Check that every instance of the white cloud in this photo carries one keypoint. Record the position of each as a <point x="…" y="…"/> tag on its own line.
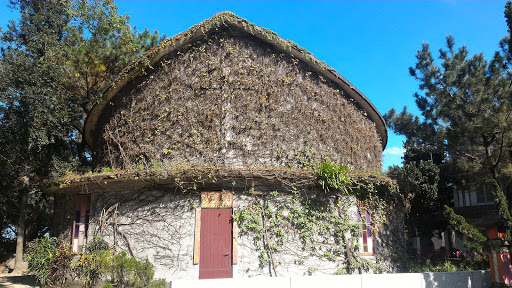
<point x="392" y="156"/>
<point x="394" y="151"/>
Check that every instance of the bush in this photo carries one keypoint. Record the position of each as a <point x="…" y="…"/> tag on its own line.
<point x="97" y="244"/>
<point x="128" y="272"/>
<point x="418" y="265"/>
<point x="49" y="259"/>
<point x="93" y="263"/>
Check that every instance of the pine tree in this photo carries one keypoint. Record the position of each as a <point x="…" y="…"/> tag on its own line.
<point x="466" y="115"/>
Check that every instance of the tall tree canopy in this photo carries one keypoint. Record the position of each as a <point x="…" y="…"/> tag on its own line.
<point x="55" y="61"/>
<point x="465" y="106"/>
<point x="465" y="127"/>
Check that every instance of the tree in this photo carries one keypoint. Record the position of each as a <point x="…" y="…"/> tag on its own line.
<point x="418" y="182"/>
<point x="466" y="120"/>
<point x="465" y="109"/>
<point x="54" y="63"/>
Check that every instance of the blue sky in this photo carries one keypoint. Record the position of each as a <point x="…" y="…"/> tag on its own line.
<point x="371" y="43"/>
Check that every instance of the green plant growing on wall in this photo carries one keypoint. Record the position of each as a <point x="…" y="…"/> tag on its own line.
<point x="321" y="221"/>
<point x="254" y="104"/>
<point x="320" y="228"/>
<point x="335" y="176"/>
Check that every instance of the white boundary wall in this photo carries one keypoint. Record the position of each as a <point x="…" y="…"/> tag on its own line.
<point x="462" y="279"/>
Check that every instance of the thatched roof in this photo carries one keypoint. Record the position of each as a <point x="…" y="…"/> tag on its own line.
<point x="235" y="23"/>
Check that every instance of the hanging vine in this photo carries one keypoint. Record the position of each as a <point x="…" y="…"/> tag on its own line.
<point x="231" y="100"/>
<point x="325" y="223"/>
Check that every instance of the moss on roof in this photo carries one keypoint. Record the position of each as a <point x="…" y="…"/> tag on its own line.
<point x="189" y="178"/>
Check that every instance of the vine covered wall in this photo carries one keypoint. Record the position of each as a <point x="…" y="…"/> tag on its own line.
<point x="282" y="230"/>
<point x="230" y="100"/>
<point x="313" y="232"/>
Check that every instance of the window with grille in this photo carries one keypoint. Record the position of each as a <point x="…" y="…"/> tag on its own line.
<point x="81" y="222"/>
<point x="484" y="194"/>
<point x="366" y="237"/>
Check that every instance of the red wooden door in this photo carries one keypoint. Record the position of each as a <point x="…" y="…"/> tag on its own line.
<point x="215" y="244"/>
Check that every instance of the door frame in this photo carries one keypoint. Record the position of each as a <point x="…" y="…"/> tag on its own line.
<point x="218" y="200"/>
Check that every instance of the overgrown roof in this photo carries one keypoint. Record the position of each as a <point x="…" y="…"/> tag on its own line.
<point x="190" y="179"/>
<point x="201" y="30"/>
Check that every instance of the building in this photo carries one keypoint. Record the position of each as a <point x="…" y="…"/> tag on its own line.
<point x="206" y="145"/>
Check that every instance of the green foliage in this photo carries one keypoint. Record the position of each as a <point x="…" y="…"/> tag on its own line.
<point x="57" y="58"/>
<point x="49" y="259"/>
<point x="459" y="224"/>
<point x="98" y="261"/>
<point x="97" y="244"/>
<point x="425" y="265"/>
<point x="127" y="272"/>
<point x="419" y="183"/>
<point x="476" y="262"/>
<point x="270" y="221"/>
<point x="334" y="175"/>
<point x="107" y="170"/>
<point x="465" y="103"/>
<point x="320" y="220"/>
<point x="420" y="179"/>
<point x="446" y="267"/>
<point x="501" y="202"/>
<point x="93" y="262"/>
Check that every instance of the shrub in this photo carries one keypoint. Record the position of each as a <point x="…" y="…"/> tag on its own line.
<point x="49" y="259"/>
<point x="97" y="244"/>
<point x="418" y="265"/>
<point x="128" y="272"/>
<point x="93" y="262"/>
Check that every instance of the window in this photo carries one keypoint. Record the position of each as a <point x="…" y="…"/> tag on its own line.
<point x="484" y="194"/>
<point x="365" y="239"/>
<point x="81" y="222"/>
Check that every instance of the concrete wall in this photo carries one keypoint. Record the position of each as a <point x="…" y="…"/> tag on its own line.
<point x="466" y="279"/>
<point x="157" y="221"/>
<point x="158" y="225"/>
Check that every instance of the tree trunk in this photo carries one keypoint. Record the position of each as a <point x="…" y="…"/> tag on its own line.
<point x="21" y="230"/>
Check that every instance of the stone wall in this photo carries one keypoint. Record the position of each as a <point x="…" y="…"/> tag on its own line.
<point x="153" y="224"/>
<point x="158" y="223"/>
<point x="294" y="258"/>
